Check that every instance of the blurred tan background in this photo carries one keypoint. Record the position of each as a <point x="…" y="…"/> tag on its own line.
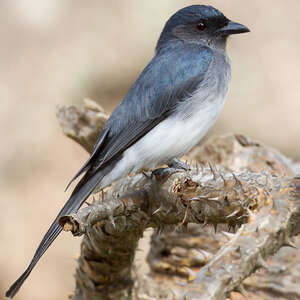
<point x="60" y="51"/>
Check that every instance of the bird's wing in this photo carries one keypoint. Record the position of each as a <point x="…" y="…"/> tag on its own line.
<point x="168" y="79"/>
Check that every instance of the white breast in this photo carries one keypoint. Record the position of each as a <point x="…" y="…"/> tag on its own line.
<point x="175" y="136"/>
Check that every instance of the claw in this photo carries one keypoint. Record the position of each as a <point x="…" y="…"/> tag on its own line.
<point x="178" y="164"/>
<point x="163" y="173"/>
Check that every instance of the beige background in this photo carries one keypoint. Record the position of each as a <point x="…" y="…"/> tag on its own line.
<point x="60" y="51"/>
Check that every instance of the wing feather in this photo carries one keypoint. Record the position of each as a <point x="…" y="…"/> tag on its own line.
<point x="168" y="79"/>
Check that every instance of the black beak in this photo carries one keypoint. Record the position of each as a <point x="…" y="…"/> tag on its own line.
<point x="232" y="28"/>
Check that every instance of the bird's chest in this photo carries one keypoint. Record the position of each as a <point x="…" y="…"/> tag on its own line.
<point x="198" y="113"/>
<point x="192" y="118"/>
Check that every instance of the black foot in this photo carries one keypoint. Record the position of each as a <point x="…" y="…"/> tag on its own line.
<point x="175" y="163"/>
<point x="163" y="173"/>
<point x="174" y="166"/>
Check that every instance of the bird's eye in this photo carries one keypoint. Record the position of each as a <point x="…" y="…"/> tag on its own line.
<point x="201" y="26"/>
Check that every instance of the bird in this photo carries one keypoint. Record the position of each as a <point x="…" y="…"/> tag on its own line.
<point x="173" y="103"/>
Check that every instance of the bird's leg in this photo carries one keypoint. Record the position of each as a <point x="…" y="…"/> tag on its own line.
<point x="174" y="166"/>
<point x="177" y="164"/>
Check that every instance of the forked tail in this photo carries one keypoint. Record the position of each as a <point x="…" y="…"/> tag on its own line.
<point x="81" y="192"/>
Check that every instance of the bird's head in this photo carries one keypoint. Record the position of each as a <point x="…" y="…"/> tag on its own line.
<point x="200" y="24"/>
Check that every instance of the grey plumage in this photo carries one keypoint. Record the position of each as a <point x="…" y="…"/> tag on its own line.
<point x="173" y="103"/>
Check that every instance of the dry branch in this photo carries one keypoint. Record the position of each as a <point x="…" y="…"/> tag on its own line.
<point x="113" y="226"/>
<point x="82" y="124"/>
<point x="271" y="228"/>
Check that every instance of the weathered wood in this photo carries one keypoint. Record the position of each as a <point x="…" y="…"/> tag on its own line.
<point x="246" y="185"/>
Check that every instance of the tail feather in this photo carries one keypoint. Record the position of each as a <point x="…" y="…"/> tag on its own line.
<point x="81" y="192"/>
